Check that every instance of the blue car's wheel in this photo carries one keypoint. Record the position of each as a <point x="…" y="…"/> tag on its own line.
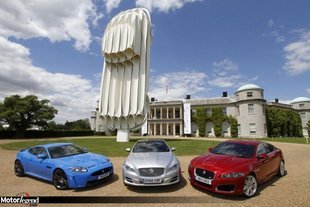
<point x="18" y="168"/>
<point x="60" y="180"/>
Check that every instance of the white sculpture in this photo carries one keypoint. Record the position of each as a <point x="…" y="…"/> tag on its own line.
<point x="126" y="48"/>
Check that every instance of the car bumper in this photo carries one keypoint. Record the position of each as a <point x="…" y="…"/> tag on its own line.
<point x="92" y="177"/>
<point x="168" y="178"/>
<point x="228" y="186"/>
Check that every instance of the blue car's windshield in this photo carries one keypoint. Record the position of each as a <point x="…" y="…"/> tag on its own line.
<point x="64" y="151"/>
<point x="151" y="146"/>
<point x="234" y="149"/>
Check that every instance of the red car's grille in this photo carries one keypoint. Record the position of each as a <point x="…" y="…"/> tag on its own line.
<point x="204" y="173"/>
<point x="151" y="172"/>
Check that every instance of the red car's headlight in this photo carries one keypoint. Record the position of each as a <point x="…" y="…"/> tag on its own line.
<point x="232" y="175"/>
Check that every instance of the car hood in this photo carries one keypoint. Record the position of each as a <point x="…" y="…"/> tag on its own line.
<point x="86" y="160"/>
<point x="221" y="163"/>
<point x="152" y="159"/>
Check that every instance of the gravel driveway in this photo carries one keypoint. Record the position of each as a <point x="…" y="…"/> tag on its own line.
<point x="290" y="190"/>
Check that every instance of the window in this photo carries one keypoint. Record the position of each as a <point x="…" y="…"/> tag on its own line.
<point x="252" y="128"/>
<point x="303" y="115"/>
<point x="251" y="108"/>
<point x="237" y="110"/>
<point x="209" y="112"/>
<point x="237" y="97"/>
<point x="302" y="106"/>
<point x="239" y="128"/>
<point x="249" y="94"/>
<point x="224" y="110"/>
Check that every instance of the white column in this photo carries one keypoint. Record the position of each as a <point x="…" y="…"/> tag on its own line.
<point x="181" y="129"/>
<point x="155" y="129"/>
<point x="173" y="129"/>
<point x="161" y="129"/>
<point x="167" y="130"/>
<point x="173" y="114"/>
<point x="167" y="113"/>
<point x="161" y="113"/>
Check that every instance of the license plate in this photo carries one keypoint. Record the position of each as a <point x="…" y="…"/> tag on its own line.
<point x="151" y="180"/>
<point x="103" y="175"/>
<point x="203" y="180"/>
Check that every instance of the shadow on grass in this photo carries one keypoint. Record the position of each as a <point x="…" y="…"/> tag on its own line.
<point x="159" y="189"/>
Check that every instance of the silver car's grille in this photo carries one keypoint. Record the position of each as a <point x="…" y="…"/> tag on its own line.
<point x="151" y="172"/>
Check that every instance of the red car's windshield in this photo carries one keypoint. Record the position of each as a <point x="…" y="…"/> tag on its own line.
<point x="234" y="149"/>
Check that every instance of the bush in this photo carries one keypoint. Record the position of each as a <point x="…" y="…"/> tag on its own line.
<point x="201" y="116"/>
<point x="45" y="134"/>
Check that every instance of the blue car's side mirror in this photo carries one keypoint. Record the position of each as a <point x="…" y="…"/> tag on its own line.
<point x="42" y="156"/>
<point x="85" y="149"/>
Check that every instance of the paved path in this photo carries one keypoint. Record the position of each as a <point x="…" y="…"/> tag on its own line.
<point x="291" y="190"/>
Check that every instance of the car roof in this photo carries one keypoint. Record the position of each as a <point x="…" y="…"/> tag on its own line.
<point x="246" y="142"/>
<point x="54" y="144"/>
<point x="151" y="140"/>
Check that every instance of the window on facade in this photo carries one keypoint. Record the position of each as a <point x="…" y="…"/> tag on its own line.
<point x="237" y="110"/>
<point x="177" y="113"/>
<point x="252" y="128"/>
<point x="251" y="108"/>
<point x="209" y="112"/>
<point x="301" y="106"/>
<point x="303" y="115"/>
<point x="224" y="110"/>
<point x="239" y="128"/>
<point x="237" y="97"/>
<point x="249" y="94"/>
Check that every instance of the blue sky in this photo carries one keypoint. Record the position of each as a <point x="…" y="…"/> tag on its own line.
<point x="53" y="49"/>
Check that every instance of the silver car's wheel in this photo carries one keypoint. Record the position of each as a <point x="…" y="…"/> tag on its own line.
<point x="281" y="172"/>
<point x="250" y="186"/>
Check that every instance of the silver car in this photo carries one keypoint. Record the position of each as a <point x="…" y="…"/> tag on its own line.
<point x="151" y="163"/>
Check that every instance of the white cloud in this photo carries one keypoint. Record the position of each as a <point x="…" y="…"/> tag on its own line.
<point x="57" y="20"/>
<point x="297" y="55"/>
<point x="175" y="85"/>
<point x="72" y="95"/>
<point x="308" y="90"/>
<point x="225" y="75"/>
<point x="111" y="4"/>
<point x="270" y="23"/>
<point x="163" y="5"/>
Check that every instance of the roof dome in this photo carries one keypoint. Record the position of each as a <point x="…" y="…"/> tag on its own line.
<point x="300" y="99"/>
<point x="248" y="87"/>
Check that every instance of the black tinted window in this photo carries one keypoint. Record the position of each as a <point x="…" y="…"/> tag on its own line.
<point x="234" y="149"/>
<point x="151" y="146"/>
<point x="64" y="151"/>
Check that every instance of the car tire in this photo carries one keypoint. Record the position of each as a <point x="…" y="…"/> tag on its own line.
<point x="250" y="186"/>
<point x="281" y="171"/>
<point x="60" y="180"/>
<point x="18" y="168"/>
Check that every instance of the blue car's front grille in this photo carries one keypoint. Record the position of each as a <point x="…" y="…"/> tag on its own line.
<point x="102" y="171"/>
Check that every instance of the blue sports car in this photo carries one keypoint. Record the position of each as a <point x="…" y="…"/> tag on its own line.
<point x="64" y="164"/>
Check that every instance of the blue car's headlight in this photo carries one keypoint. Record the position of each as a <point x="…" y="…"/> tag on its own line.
<point x="173" y="167"/>
<point x="232" y="175"/>
<point x="78" y="169"/>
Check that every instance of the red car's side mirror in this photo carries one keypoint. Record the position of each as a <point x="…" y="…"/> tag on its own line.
<point x="210" y="149"/>
<point x="262" y="156"/>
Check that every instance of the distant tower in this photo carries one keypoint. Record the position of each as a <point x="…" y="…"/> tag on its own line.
<point x="250" y="108"/>
<point x="302" y="105"/>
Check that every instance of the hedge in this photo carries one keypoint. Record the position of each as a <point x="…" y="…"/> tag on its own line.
<point x="4" y="134"/>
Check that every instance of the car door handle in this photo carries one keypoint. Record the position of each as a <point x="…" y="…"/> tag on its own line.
<point x="49" y="167"/>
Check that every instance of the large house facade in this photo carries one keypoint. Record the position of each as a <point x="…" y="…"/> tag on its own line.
<point x="247" y="105"/>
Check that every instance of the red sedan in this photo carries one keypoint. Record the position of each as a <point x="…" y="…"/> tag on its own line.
<point x="236" y="167"/>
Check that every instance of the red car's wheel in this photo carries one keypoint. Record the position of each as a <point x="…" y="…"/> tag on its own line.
<point x="281" y="171"/>
<point x="250" y="186"/>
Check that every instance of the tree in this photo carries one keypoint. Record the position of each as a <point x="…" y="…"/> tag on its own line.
<point x="78" y="125"/>
<point x="201" y="116"/>
<point x="53" y="126"/>
<point x="233" y="126"/>
<point x="22" y="113"/>
<point x="308" y="126"/>
<point x="218" y="118"/>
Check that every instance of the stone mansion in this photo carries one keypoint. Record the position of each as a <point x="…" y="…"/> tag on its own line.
<point x="173" y="118"/>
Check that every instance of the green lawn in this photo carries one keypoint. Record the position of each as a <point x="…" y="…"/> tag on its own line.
<point x="111" y="148"/>
<point x="297" y="140"/>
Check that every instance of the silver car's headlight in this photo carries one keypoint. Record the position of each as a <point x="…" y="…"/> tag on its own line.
<point x="128" y="168"/>
<point x="232" y="175"/>
<point x="173" y="167"/>
<point x="78" y="169"/>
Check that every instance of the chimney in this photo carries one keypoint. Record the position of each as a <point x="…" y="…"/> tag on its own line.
<point x="152" y="99"/>
<point x="97" y="106"/>
<point x="188" y="97"/>
<point x="276" y="100"/>
<point x="224" y="94"/>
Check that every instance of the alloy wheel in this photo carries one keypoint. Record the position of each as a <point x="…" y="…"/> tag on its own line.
<point x="250" y="186"/>
<point x="18" y="168"/>
<point x="282" y="169"/>
<point x="60" y="180"/>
